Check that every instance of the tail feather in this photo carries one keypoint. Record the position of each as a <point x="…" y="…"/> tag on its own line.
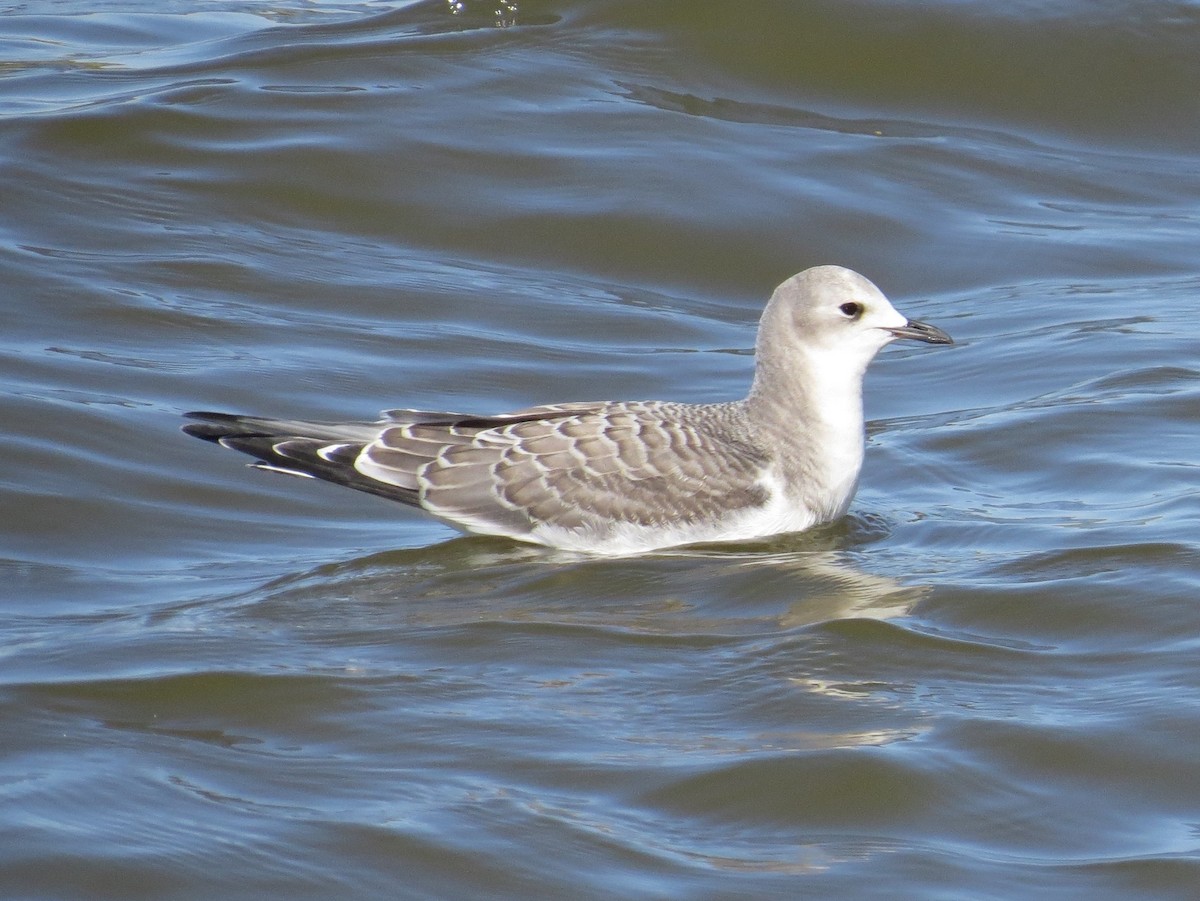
<point x="325" y="451"/>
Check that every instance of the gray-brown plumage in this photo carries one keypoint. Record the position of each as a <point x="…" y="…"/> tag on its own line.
<point x="623" y="477"/>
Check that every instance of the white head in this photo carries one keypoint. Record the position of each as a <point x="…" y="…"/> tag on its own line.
<point x="830" y="310"/>
<point x="826" y="324"/>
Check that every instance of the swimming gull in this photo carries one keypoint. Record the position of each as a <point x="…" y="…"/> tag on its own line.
<point x="627" y="477"/>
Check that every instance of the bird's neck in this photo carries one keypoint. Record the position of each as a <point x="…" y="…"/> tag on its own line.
<point x="814" y="409"/>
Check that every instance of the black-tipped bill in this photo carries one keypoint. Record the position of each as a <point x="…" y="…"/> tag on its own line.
<point x="922" y="331"/>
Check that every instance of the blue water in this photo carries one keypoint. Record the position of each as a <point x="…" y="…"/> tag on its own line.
<point x="215" y="683"/>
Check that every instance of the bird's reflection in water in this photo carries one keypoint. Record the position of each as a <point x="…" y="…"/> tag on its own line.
<point x="788" y="583"/>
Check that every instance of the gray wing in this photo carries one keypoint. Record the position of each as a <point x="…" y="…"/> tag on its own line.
<point x="330" y="450"/>
<point x="574" y="466"/>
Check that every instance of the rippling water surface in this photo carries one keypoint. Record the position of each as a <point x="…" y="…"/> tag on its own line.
<point x="984" y="683"/>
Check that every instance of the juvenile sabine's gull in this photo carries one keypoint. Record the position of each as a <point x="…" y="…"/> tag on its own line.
<point x="616" y="477"/>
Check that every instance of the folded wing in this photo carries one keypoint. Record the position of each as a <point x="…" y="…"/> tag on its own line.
<point x="576" y="467"/>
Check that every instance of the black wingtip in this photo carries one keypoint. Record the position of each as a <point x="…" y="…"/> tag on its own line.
<point x="211" y="426"/>
<point x="209" y="416"/>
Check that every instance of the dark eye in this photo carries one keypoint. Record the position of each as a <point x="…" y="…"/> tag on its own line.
<point x="851" y="310"/>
